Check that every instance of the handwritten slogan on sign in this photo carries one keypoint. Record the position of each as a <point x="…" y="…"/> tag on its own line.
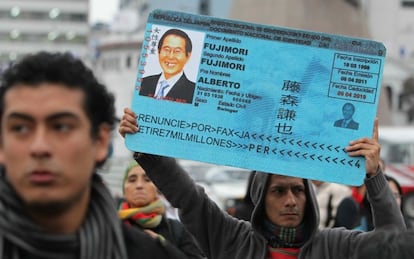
<point x="255" y="96"/>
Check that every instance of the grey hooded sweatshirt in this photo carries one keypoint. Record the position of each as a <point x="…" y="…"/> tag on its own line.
<point x="223" y="237"/>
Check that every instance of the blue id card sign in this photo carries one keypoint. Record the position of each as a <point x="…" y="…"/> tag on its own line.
<point x="255" y="96"/>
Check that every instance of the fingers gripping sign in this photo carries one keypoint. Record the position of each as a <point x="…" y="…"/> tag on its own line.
<point x="128" y="123"/>
<point x="368" y="148"/>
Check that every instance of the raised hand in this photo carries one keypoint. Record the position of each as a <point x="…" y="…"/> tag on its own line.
<point x="369" y="148"/>
<point x="128" y="122"/>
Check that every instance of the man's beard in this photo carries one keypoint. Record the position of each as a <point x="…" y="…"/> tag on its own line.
<point x="53" y="208"/>
<point x="48" y="209"/>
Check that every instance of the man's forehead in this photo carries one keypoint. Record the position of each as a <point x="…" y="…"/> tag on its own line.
<point x="172" y="38"/>
<point x="285" y="180"/>
<point x="56" y="101"/>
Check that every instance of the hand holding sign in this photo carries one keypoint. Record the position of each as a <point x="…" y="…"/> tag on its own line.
<point x="128" y="123"/>
<point x="368" y="148"/>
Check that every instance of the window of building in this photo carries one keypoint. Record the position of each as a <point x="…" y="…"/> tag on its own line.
<point x="110" y="63"/>
<point x="53" y="14"/>
<point x="128" y="61"/>
<point x="354" y="3"/>
<point x="407" y="3"/>
<point x="24" y="37"/>
<point x="204" y="7"/>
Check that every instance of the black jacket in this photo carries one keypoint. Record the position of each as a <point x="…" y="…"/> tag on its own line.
<point x="180" y="243"/>
<point x="140" y="245"/>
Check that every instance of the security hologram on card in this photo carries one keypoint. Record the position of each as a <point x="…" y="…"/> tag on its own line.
<point x="255" y="96"/>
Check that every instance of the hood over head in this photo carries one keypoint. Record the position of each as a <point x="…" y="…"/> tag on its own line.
<point x="258" y="191"/>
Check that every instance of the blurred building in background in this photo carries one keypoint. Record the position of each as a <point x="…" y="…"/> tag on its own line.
<point x="55" y="25"/>
<point x="391" y="22"/>
<point x="329" y="16"/>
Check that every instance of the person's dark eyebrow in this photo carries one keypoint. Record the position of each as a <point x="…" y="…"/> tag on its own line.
<point x="287" y="185"/>
<point x="21" y="116"/>
<point x="55" y="116"/>
<point x="62" y="115"/>
<point x="278" y="186"/>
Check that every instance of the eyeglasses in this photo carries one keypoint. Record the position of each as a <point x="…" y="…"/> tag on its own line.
<point x="165" y="51"/>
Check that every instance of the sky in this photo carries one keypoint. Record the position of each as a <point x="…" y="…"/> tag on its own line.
<point x="102" y="11"/>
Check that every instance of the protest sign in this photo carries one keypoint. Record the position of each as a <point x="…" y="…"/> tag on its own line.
<point x="255" y="96"/>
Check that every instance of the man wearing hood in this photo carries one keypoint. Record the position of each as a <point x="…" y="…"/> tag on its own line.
<point x="285" y="219"/>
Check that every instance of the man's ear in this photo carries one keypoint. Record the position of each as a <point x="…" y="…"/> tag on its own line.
<point x="102" y="142"/>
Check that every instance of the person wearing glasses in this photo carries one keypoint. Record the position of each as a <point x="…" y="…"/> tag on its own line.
<point x="174" y="51"/>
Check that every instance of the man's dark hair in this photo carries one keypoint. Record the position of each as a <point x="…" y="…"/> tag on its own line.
<point x="70" y="72"/>
<point x="179" y="33"/>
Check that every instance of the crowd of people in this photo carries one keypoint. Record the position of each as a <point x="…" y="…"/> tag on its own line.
<point x="56" y="121"/>
<point x="285" y="218"/>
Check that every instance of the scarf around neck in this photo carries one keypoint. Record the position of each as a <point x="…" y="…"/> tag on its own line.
<point x="149" y="216"/>
<point x="100" y="235"/>
<point x="278" y="236"/>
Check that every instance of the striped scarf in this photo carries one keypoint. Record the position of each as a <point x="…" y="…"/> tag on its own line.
<point x="100" y="236"/>
<point x="278" y="236"/>
<point x="149" y="216"/>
